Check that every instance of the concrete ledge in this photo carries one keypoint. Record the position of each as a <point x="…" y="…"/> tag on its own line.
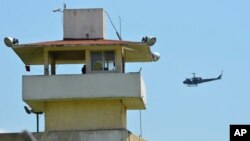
<point x="96" y="135"/>
<point x="128" y="87"/>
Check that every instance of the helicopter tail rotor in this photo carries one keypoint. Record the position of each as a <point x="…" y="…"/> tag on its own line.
<point x="220" y="76"/>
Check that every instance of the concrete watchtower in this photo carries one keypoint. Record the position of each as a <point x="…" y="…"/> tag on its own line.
<point x="91" y="106"/>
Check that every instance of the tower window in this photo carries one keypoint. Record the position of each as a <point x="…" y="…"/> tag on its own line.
<point x="102" y="61"/>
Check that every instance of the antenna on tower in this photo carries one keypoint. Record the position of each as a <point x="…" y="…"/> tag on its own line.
<point x="64" y="6"/>
<point x="118" y="35"/>
<point x="120" y="21"/>
<point x="59" y="9"/>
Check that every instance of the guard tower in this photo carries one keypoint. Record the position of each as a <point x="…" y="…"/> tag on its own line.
<point x="92" y="105"/>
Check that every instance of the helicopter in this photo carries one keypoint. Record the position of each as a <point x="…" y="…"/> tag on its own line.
<point x="194" y="81"/>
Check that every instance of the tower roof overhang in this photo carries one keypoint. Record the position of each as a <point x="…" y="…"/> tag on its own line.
<point x="33" y="53"/>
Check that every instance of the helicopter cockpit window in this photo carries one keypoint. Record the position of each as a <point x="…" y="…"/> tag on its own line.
<point x="102" y="61"/>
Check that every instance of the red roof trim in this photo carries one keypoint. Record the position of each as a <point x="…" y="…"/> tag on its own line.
<point x="80" y="42"/>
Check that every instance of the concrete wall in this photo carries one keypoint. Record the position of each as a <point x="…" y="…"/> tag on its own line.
<point x="84" y="115"/>
<point x="98" y="135"/>
<point x="84" y="24"/>
<point x="128" y="87"/>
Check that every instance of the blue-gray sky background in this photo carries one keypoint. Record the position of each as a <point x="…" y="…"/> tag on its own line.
<point x="204" y="37"/>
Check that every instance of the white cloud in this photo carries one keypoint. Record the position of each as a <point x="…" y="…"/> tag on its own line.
<point x="2" y="131"/>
